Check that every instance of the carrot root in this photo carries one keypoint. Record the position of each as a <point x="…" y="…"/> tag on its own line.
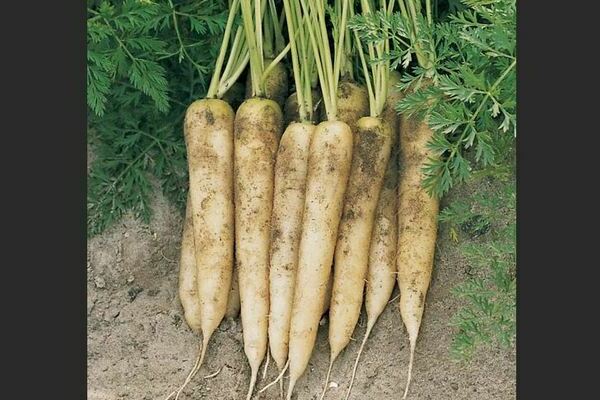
<point x="252" y="384"/>
<point x="362" y="345"/>
<point x="327" y="378"/>
<point x="291" y="388"/>
<point x="278" y="379"/>
<point x="266" y="366"/>
<point x="281" y="389"/>
<point x="195" y="369"/>
<point x="410" y="366"/>
<point x="188" y="378"/>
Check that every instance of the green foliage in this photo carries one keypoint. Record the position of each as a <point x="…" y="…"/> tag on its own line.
<point x="147" y="61"/>
<point x="488" y="225"/>
<point x="471" y="103"/>
<point x="460" y="75"/>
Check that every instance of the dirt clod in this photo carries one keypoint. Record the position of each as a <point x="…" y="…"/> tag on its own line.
<point x="133" y="292"/>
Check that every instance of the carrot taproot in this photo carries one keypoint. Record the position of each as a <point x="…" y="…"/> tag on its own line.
<point x="373" y="139"/>
<point x="208" y="133"/>
<point x="417" y="229"/>
<point x="372" y="146"/>
<point x="329" y="162"/>
<point x="381" y="276"/>
<point x="208" y="129"/>
<point x="258" y="126"/>
<point x="286" y="224"/>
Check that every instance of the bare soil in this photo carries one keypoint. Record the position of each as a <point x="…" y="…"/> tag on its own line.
<point x="139" y="346"/>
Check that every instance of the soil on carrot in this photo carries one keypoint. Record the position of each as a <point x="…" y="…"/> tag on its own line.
<point x="276" y="84"/>
<point x="139" y="346"/>
<point x="291" y="113"/>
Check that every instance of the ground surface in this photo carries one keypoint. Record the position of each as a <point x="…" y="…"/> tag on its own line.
<point x="139" y="346"/>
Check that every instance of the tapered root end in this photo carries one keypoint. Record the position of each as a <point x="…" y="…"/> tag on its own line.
<point x="203" y="352"/>
<point x="360" y="350"/>
<point x="291" y="388"/>
<point x="264" y="375"/>
<point x="281" y="389"/>
<point x="410" y="365"/>
<point x="195" y="369"/>
<point x="327" y="378"/>
<point x="279" y="378"/>
<point x="252" y="384"/>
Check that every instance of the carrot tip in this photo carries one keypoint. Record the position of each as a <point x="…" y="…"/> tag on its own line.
<point x="277" y="379"/>
<point x="360" y="350"/>
<point x="327" y="378"/>
<point x="252" y="384"/>
<point x="410" y="365"/>
<point x="264" y="375"/>
<point x="192" y="373"/>
<point x="281" y="389"/>
<point x="291" y="388"/>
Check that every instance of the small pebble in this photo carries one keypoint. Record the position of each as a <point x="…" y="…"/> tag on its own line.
<point x="133" y="292"/>
<point x="100" y="282"/>
<point x="130" y="278"/>
<point x="176" y="320"/>
<point x="333" y="385"/>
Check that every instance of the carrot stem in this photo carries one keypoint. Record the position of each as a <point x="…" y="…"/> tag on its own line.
<point x="212" y="90"/>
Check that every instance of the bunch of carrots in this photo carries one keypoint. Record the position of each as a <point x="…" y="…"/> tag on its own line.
<point x="304" y="204"/>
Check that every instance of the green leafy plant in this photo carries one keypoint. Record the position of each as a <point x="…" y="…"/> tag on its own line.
<point x="147" y="61"/>
<point x="485" y="228"/>
<point x="459" y="73"/>
<point x="469" y="58"/>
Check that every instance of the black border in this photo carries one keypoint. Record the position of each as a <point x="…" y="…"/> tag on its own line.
<point x="44" y="324"/>
<point x="556" y="294"/>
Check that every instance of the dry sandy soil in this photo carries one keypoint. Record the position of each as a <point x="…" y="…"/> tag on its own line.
<point x="139" y="346"/>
